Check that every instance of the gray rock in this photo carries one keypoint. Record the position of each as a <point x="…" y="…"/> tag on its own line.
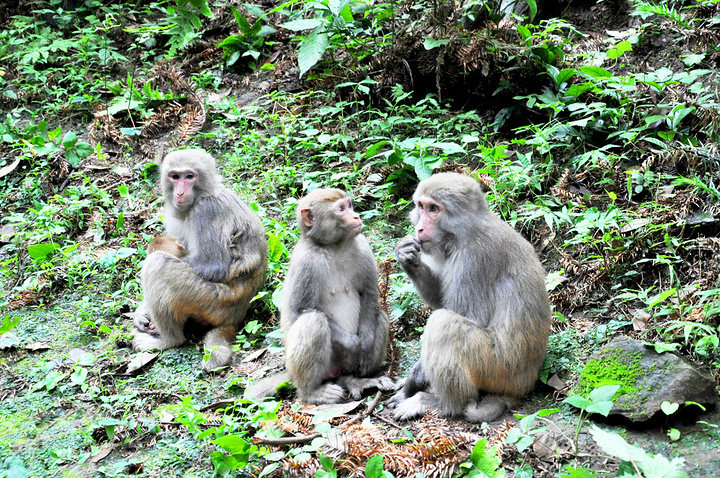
<point x="648" y="379"/>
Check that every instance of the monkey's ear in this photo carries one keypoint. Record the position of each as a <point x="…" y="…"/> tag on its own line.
<point x="307" y="217"/>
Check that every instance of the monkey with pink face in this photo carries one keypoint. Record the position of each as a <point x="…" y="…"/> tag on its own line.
<point x="333" y="327"/>
<point x="209" y="268"/>
<point x="486" y="339"/>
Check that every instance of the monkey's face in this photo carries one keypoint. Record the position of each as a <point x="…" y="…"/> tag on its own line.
<point x="428" y="213"/>
<point x="346" y="216"/>
<point x="182" y="182"/>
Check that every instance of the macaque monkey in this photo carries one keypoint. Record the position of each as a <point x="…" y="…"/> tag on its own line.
<point x="211" y="272"/>
<point x="167" y="244"/>
<point x="486" y="339"/>
<point x="332" y="324"/>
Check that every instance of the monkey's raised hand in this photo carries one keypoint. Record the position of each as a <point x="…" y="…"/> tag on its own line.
<point x="408" y="252"/>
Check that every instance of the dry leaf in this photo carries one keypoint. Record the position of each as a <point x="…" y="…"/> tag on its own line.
<point x="254" y="356"/>
<point x="105" y="451"/>
<point x="556" y="383"/>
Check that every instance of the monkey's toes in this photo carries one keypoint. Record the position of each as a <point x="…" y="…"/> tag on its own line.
<point x="410" y="408"/>
<point x="328" y="393"/>
<point x="143" y="341"/>
<point x="219" y="357"/>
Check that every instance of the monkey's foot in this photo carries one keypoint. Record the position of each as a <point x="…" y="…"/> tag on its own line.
<point x="220" y="356"/>
<point x="487" y="409"/>
<point x="143" y="341"/>
<point x="415" y="406"/>
<point x="357" y="386"/>
<point x="326" y="393"/>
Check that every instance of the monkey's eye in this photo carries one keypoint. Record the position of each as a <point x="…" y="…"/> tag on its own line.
<point x="174" y="176"/>
<point x="433" y="208"/>
<point x="420" y="205"/>
<point x="190" y="176"/>
<point x="341" y="207"/>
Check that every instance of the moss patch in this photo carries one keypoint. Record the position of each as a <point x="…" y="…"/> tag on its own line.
<point x="614" y="367"/>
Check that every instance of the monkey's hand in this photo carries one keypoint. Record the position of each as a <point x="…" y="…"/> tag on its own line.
<point x="408" y="252"/>
<point x="344" y="343"/>
<point x="209" y="271"/>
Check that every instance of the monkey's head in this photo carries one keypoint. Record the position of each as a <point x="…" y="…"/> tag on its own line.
<point x="167" y="244"/>
<point x="326" y="216"/>
<point x="187" y="175"/>
<point x="441" y="202"/>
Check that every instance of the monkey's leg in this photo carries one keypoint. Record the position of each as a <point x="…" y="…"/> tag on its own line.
<point x="218" y="342"/>
<point x="415" y="406"/>
<point x="460" y="358"/>
<point x="308" y="354"/>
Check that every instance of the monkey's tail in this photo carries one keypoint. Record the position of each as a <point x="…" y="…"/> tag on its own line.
<point x="487" y="409"/>
<point x="267" y="386"/>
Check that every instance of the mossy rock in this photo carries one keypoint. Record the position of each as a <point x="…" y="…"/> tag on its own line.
<point x="646" y="379"/>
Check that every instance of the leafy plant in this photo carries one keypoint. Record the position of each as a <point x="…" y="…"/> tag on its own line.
<point x="249" y="43"/>
<point x="598" y="401"/>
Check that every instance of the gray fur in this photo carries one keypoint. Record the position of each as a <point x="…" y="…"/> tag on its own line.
<point x="489" y="330"/>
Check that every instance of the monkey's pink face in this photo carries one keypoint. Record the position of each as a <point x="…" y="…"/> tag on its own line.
<point x="429" y="213"/>
<point x="343" y="209"/>
<point x="183" y="183"/>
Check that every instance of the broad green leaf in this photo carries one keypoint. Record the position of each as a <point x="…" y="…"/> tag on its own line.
<point x="603" y="394"/>
<point x="375" y="148"/>
<point x="69" y="140"/>
<point x="617" y="51"/>
<point x="655" y="300"/>
<point x="234" y="444"/>
<point x="431" y="43"/>
<point x="312" y="49"/>
<point x="616" y="445"/>
<point x="8" y="323"/>
<point x="577" y="401"/>
<point x="84" y="149"/>
<point x="602" y="408"/>
<point x="374" y="467"/>
<point x="674" y="434"/>
<point x="595" y="72"/>
<point x="299" y="25"/>
<point x="275" y="247"/>
<point x="41" y="252"/>
<point x="578" y="473"/>
<point x="565" y="75"/>
<point x="449" y="148"/>
<point x="658" y="466"/>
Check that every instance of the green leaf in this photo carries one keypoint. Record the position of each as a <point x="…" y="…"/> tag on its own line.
<point x="374" y="467"/>
<point x="312" y="49"/>
<point x="69" y="140"/>
<point x="326" y="462"/>
<point x="616" y="445"/>
<point x="564" y="75"/>
<point x="275" y="247"/>
<point x="578" y="473"/>
<point x="234" y="444"/>
<point x="524" y="471"/>
<point x="84" y="149"/>
<point x="655" y="300"/>
<point x="449" y="148"/>
<point x="41" y="252"/>
<point x="603" y="394"/>
<point x="72" y="157"/>
<point x="524" y="34"/>
<point x="431" y="43"/>
<point x="602" y="408"/>
<point x="674" y="434"/>
<point x="595" y="72"/>
<point x="616" y="51"/>
<point x="375" y="148"/>
<point x="692" y="59"/>
<point x="577" y="401"/>
<point x="658" y="466"/>
<point x="299" y="25"/>
<point x="669" y="408"/>
<point x="8" y="323"/>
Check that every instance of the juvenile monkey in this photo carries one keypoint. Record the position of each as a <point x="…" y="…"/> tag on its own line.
<point x="331" y="320"/>
<point x="220" y="267"/>
<point x="167" y="244"/>
<point x="485" y="341"/>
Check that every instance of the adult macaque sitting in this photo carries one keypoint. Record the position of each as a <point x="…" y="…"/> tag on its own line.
<point x="219" y="269"/>
<point x="332" y="324"/>
<point x="485" y="341"/>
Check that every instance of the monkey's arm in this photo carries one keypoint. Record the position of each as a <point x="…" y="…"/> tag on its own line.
<point x="306" y="294"/>
<point x="425" y="280"/>
<point x="208" y="251"/>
